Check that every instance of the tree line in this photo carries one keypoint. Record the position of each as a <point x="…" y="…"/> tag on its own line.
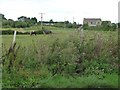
<point x="23" y="22"/>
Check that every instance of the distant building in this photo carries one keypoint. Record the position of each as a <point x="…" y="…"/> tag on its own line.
<point x="23" y="19"/>
<point x="92" y="21"/>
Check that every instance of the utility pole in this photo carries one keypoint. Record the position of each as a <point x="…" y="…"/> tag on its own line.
<point x="74" y="24"/>
<point x="41" y="20"/>
<point x="73" y="19"/>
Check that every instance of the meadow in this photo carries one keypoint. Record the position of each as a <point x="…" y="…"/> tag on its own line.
<point x="61" y="60"/>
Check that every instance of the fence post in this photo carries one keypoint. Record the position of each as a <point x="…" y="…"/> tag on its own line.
<point x="14" y="37"/>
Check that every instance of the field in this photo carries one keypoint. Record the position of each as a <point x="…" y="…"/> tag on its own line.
<point x="61" y="60"/>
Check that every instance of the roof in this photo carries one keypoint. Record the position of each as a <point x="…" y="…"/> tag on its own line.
<point x="91" y="19"/>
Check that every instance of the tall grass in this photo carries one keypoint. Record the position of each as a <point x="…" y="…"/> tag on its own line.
<point x="42" y="58"/>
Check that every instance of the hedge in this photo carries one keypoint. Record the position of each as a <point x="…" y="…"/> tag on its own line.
<point x="11" y="32"/>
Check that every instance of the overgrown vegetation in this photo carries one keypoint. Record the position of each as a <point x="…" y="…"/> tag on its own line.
<point x="62" y="60"/>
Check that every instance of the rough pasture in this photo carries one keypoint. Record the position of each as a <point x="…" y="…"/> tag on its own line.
<point x="61" y="60"/>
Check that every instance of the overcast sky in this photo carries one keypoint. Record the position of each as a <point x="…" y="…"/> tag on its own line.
<point x="60" y="10"/>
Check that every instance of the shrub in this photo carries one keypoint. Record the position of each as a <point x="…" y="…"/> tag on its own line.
<point x="7" y="32"/>
<point x="11" y="32"/>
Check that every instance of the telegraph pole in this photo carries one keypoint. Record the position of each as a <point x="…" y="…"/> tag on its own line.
<point x="73" y="19"/>
<point x="41" y="20"/>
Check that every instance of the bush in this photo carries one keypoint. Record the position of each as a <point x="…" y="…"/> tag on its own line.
<point x="39" y="32"/>
<point x="7" y="32"/>
<point x="11" y="32"/>
<point x="103" y="27"/>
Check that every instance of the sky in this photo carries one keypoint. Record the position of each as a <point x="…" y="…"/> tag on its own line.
<point x="61" y="10"/>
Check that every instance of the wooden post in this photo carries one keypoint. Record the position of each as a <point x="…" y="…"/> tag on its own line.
<point x="81" y="33"/>
<point x="14" y="37"/>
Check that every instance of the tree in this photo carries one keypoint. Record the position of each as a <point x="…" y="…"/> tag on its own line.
<point x="51" y="21"/>
<point x="85" y="26"/>
<point x="8" y="23"/>
<point x="108" y="26"/>
<point x="19" y="24"/>
<point x="3" y="17"/>
<point x="118" y="25"/>
<point x="113" y="27"/>
<point x="33" y="20"/>
<point x="66" y="22"/>
<point x="74" y="25"/>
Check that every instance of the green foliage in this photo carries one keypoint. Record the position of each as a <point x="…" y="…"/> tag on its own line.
<point x="39" y="32"/>
<point x="66" y="24"/>
<point x="85" y="26"/>
<point x="58" y="81"/>
<point x="118" y="25"/>
<point x="59" y="24"/>
<point x="11" y="32"/>
<point x="7" y="32"/>
<point x="22" y="22"/>
<point x="105" y="26"/>
<point x="7" y="23"/>
<point x="108" y="26"/>
<point x="54" y="60"/>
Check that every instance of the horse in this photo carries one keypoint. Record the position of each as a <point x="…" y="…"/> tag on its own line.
<point x="32" y="33"/>
<point x="47" y="32"/>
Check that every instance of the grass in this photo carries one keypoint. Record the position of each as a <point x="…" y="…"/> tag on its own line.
<point x="59" y="34"/>
<point x="58" y="81"/>
<point x="39" y="57"/>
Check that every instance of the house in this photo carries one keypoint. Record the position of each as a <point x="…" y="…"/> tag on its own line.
<point x="92" y="21"/>
<point x="23" y="19"/>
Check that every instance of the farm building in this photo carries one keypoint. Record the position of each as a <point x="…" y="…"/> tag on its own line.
<point x="92" y="21"/>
